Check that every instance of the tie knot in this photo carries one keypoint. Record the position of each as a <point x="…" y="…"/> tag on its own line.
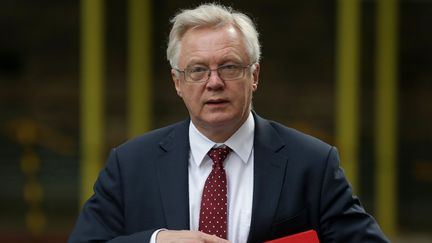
<point x="218" y="155"/>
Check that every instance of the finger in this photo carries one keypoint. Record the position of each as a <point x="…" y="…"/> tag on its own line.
<point x="166" y="236"/>
<point x="212" y="238"/>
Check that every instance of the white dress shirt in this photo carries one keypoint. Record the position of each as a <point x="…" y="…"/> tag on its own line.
<point x="239" y="170"/>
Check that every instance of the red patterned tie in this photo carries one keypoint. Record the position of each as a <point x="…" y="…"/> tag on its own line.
<point x="213" y="213"/>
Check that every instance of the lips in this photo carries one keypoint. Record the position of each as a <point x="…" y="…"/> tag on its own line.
<point x="216" y="101"/>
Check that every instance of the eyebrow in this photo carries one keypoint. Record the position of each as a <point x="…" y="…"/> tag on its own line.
<point x="224" y="60"/>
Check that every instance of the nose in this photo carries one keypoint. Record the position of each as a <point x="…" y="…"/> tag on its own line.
<point x="214" y="81"/>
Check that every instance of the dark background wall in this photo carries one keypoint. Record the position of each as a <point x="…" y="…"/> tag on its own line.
<point x="39" y="96"/>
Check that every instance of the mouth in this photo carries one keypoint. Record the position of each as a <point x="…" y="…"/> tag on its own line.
<point x="216" y="102"/>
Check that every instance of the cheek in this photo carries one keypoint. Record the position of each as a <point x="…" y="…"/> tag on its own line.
<point x="243" y="96"/>
<point x="249" y="91"/>
<point x="191" y="97"/>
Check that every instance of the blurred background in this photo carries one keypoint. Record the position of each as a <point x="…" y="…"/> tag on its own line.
<point x="80" y="77"/>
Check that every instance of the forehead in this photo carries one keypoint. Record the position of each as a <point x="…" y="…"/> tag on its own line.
<point x="207" y="44"/>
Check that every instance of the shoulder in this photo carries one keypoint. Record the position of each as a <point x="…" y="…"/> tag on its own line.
<point x="291" y="142"/>
<point x="288" y="135"/>
<point x="295" y="137"/>
<point x="156" y="139"/>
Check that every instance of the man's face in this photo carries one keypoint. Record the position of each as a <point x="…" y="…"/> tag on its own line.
<point x="216" y="106"/>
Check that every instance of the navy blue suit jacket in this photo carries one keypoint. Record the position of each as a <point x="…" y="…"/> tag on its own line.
<point x="298" y="185"/>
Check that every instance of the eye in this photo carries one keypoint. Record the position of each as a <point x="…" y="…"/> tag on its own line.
<point x="229" y="67"/>
<point x="197" y="69"/>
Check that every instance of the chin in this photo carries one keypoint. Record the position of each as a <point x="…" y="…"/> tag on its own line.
<point x="221" y="120"/>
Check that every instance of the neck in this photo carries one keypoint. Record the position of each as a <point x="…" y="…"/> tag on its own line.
<point x="219" y="133"/>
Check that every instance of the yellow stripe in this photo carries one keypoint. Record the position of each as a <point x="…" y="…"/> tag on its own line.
<point x="140" y="88"/>
<point x="386" y="115"/>
<point x="92" y="62"/>
<point x="347" y="86"/>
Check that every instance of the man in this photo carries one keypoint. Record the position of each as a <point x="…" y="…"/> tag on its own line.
<point x="260" y="180"/>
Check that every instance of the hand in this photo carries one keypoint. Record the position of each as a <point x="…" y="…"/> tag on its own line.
<point x="171" y="236"/>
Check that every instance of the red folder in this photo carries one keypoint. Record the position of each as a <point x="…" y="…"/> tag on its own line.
<point x="309" y="236"/>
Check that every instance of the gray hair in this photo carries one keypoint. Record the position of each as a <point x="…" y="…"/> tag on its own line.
<point x="212" y="15"/>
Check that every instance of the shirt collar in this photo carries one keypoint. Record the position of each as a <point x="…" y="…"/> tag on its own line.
<point x="241" y="142"/>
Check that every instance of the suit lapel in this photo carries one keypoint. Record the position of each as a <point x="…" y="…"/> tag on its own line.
<point x="269" y="172"/>
<point x="173" y="177"/>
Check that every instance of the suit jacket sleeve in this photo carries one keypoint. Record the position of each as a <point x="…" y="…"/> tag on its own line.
<point x="102" y="217"/>
<point x="343" y="219"/>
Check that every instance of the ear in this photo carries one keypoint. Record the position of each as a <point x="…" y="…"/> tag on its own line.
<point x="255" y="76"/>
<point x="176" y="79"/>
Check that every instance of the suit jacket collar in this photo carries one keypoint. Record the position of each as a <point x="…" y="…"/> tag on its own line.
<point x="269" y="172"/>
<point x="172" y="168"/>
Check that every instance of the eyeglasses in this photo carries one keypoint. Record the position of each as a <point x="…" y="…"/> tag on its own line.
<point x="201" y="74"/>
